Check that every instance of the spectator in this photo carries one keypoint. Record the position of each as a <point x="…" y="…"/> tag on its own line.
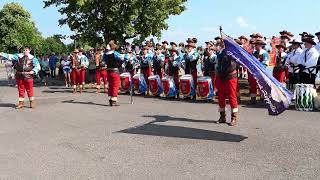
<point x="53" y="62"/>
<point x="91" y="67"/>
<point x="45" y="69"/>
<point x="66" y="67"/>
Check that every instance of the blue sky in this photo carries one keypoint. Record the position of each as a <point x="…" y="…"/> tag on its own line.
<point x="203" y="17"/>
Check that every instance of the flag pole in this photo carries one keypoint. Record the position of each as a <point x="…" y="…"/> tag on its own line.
<point x="221" y="35"/>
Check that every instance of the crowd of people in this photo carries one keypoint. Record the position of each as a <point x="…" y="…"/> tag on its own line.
<point x="297" y="61"/>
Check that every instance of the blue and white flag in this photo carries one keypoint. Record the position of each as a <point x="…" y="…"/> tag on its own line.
<point x="276" y="96"/>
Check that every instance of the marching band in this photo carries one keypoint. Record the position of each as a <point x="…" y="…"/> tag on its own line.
<point x="178" y="68"/>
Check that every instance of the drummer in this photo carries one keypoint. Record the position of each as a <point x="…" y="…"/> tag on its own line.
<point x="292" y="60"/>
<point x="190" y="59"/>
<point x="308" y="62"/>
<point x="173" y="67"/>
<point x="158" y="62"/>
<point x="209" y="63"/>
<point x="146" y="64"/>
<point x="130" y="61"/>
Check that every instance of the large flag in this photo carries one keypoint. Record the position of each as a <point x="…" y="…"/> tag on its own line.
<point x="276" y="96"/>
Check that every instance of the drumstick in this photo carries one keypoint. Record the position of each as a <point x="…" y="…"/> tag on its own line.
<point x="131" y="89"/>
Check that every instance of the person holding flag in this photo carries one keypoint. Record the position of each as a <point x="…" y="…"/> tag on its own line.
<point x="276" y="96"/>
<point x="227" y="82"/>
<point x="26" y="66"/>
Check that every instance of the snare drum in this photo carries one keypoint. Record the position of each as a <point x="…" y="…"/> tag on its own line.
<point x="169" y="87"/>
<point x="304" y="95"/>
<point x="155" y="85"/>
<point x="205" y="88"/>
<point x="187" y="86"/>
<point x="139" y="84"/>
<point x="125" y="79"/>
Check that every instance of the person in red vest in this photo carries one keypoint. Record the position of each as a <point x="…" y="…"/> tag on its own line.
<point x="26" y="66"/>
<point x="227" y="82"/>
<point x="113" y="62"/>
<point x="279" y="70"/>
<point x="101" y="70"/>
<point x="263" y="57"/>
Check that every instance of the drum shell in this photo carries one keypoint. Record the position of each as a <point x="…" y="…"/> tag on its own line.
<point x="187" y="86"/>
<point x="125" y="80"/>
<point x="139" y="84"/>
<point x="155" y="85"/>
<point x="205" y="88"/>
<point x="169" y="88"/>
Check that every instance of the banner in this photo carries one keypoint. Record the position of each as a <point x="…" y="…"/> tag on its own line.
<point x="276" y="96"/>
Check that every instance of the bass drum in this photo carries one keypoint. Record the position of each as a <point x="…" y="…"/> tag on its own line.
<point x="305" y="95"/>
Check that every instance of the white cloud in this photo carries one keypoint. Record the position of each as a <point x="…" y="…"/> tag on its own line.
<point x="241" y="22"/>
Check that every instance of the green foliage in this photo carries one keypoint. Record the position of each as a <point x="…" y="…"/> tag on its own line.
<point x="17" y="29"/>
<point x="53" y="44"/>
<point x="103" y="20"/>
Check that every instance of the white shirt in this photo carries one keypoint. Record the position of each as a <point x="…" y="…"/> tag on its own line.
<point x="309" y="59"/>
<point x="293" y="58"/>
<point x="318" y="47"/>
<point x="65" y="64"/>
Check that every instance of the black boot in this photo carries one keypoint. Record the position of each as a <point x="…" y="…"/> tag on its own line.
<point x="222" y="118"/>
<point x="253" y="100"/>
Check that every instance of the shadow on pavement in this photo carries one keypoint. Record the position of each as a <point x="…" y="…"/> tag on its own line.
<point x="152" y="129"/>
<point x="161" y="118"/>
<point x="85" y="103"/>
<point x="9" y="105"/>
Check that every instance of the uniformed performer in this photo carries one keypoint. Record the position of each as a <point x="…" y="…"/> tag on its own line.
<point x="226" y="82"/>
<point x="101" y="70"/>
<point x="84" y="61"/>
<point x="113" y="62"/>
<point x="173" y="67"/>
<point x="26" y="67"/>
<point x="262" y="56"/>
<point x="292" y="59"/>
<point x="190" y="60"/>
<point x="75" y="73"/>
<point x="280" y="68"/>
<point x="308" y="62"/>
<point x="130" y="62"/>
<point x="158" y="62"/>
<point x="145" y="64"/>
<point x="209" y="63"/>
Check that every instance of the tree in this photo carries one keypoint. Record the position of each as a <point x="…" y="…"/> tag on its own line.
<point x="54" y="44"/>
<point x="105" y="20"/>
<point x="17" y="29"/>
